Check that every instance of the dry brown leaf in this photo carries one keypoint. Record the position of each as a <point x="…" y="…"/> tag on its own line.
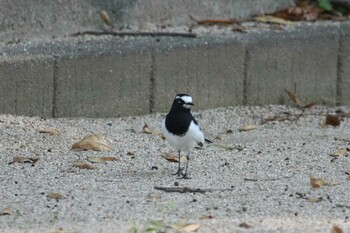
<point x="340" y="152"/>
<point x="55" y="196"/>
<point x="206" y="217"/>
<point x="247" y="128"/>
<point x="51" y="131"/>
<point x="190" y="227"/>
<point x="317" y="183"/>
<point x="220" y="136"/>
<point x="222" y="22"/>
<point x="21" y="159"/>
<point x="332" y="120"/>
<point x="6" y="211"/>
<point x="293" y="97"/>
<point x="105" y="17"/>
<point x="148" y="130"/>
<point x="337" y="229"/>
<point x="83" y="165"/>
<point x="59" y="230"/>
<point x="245" y="225"/>
<point x="314" y="199"/>
<point x="272" y="19"/>
<point x="94" y="142"/>
<point x="174" y="158"/>
<point x="101" y="159"/>
<point x="144" y="25"/>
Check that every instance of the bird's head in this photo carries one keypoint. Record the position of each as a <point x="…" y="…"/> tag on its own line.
<point x="183" y="101"/>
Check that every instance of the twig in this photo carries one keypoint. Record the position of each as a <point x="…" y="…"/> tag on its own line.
<point x="342" y="206"/>
<point x="188" y="190"/>
<point x="276" y="118"/>
<point x="342" y="139"/>
<point x="267" y="179"/>
<point x="169" y="34"/>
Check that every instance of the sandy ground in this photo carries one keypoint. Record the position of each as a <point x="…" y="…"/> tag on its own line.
<point x="256" y="181"/>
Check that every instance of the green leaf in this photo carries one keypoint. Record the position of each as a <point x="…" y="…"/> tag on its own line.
<point x="172" y="205"/>
<point x="325" y="5"/>
<point x="151" y="229"/>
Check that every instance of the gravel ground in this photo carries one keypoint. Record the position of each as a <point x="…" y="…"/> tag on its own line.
<point x="266" y="173"/>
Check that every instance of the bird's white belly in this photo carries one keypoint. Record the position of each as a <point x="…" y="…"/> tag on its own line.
<point x="186" y="142"/>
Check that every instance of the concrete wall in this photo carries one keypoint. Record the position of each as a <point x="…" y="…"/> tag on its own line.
<point x="119" y="76"/>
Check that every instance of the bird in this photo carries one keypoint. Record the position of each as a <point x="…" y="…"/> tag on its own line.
<point x="181" y="130"/>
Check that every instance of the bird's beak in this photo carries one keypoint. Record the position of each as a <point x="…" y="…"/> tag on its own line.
<point x="190" y="104"/>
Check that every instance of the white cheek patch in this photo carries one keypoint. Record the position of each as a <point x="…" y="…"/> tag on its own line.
<point x="187" y="99"/>
<point x="187" y="106"/>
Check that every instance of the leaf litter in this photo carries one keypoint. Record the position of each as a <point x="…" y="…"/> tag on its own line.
<point x="51" y="131"/>
<point x="21" y="159"/>
<point x="317" y="182"/>
<point x="101" y="159"/>
<point x="6" y="211"/>
<point x="55" y="196"/>
<point x="95" y="142"/>
<point x="83" y="165"/>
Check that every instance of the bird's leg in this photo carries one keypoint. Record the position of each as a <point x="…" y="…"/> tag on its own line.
<point x="179" y="170"/>
<point x="184" y="175"/>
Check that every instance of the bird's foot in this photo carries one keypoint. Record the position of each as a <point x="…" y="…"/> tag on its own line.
<point x="178" y="173"/>
<point x="184" y="176"/>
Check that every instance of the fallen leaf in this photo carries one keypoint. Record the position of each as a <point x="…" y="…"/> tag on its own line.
<point x="314" y="199"/>
<point x="174" y="158"/>
<point x="293" y="97"/>
<point x="317" y="183"/>
<point x="95" y="142"/>
<point x="206" y="217"/>
<point x="272" y="19"/>
<point x="105" y="17"/>
<point x="55" y="196"/>
<point x="190" y="227"/>
<point x="6" y="211"/>
<point x="337" y="229"/>
<point x="220" y="136"/>
<point x="83" y="165"/>
<point x="101" y="159"/>
<point x="130" y="153"/>
<point x="148" y="130"/>
<point x="51" y="131"/>
<point x="340" y="152"/>
<point x="222" y="22"/>
<point x="147" y="26"/>
<point x="217" y="147"/>
<point x="59" y="230"/>
<point x="21" y="159"/>
<point x="332" y="120"/>
<point x="245" y="225"/>
<point x="247" y="128"/>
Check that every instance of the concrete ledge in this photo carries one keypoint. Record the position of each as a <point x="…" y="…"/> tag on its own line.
<point x="27" y="85"/>
<point x="111" y="76"/>
<point x="303" y="60"/>
<point x="103" y="86"/>
<point x="211" y="69"/>
<point x="343" y="83"/>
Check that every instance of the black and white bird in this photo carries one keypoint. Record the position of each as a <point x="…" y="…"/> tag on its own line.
<point x="181" y="130"/>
